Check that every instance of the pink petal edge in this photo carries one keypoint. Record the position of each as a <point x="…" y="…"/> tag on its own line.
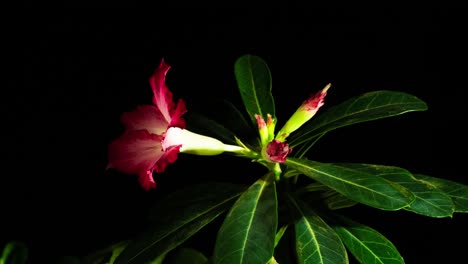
<point x="146" y="180"/>
<point x="162" y="96"/>
<point x="170" y="156"/>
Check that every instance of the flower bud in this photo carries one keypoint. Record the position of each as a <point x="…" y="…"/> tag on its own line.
<point x="262" y="129"/>
<point x="303" y="114"/>
<point x="277" y="151"/>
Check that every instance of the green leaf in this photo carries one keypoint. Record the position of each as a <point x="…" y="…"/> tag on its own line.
<point x="316" y="242"/>
<point x="254" y="80"/>
<point x="339" y="201"/>
<point x="456" y="191"/>
<point x="366" y="107"/>
<point x="234" y="119"/>
<point x="222" y="120"/>
<point x="107" y="255"/>
<point x="272" y="260"/>
<point x="186" y="256"/>
<point x="356" y="183"/>
<point x="247" y="235"/>
<point x="206" y="126"/>
<point x="280" y="234"/>
<point x="159" y="259"/>
<point x="366" y="244"/>
<point x="429" y="201"/>
<point x="178" y="217"/>
<point x="14" y="252"/>
<point x="117" y="250"/>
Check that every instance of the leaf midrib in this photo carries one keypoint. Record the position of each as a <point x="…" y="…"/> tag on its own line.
<point x="309" y="227"/>
<point x="251" y="79"/>
<point x="262" y="187"/>
<point x="340" y="179"/>
<point x="362" y="244"/>
<point x="328" y="121"/>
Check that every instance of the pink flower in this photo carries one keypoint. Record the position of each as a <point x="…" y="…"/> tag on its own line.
<point x="141" y="149"/>
<point x="277" y="151"/>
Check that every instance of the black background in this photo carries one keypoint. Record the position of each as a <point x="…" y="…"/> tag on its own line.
<point x="69" y="76"/>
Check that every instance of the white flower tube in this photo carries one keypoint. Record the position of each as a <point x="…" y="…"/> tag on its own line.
<point x="197" y="144"/>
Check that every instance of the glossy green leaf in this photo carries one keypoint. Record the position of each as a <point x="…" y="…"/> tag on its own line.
<point x="254" y="80"/>
<point x="366" y="244"/>
<point x="186" y="256"/>
<point x="178" y="217"/>
<point x="206" y="126"/>
<point x="14" y="252"/>
<point x="339" y="201"/>
<point x="456" y="191"/>
<point x="358" y="184"/>
<point x="247" y="235"/>
<point x="366" y="107"/>
<point x="429" y="201"/>
<point x="316" y="242"/>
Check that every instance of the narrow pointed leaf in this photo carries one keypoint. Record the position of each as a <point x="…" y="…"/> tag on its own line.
<point x="280" y="234"/>
<point x="254" y="80"/>
<point x="159" y="259"/>
<point x="247" y="235"/>
<point x="14" y="252"/>
<point x="429" y="200"/>
<point x="316" y="242"/>
<point x="108" y="254"/>
<point x="366" y="107"/>
<point x="456" y="191"/>
<point x="178" y="217"/>
<point x="117" y="249"/>
<point x="357" y="184"/>
<point x="366" y="244"/>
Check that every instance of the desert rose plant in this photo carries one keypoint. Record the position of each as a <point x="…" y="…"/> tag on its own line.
<point x="295" y="204"/>
<point x="258" y="216"/>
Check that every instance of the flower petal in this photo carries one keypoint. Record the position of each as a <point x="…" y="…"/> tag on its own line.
<point x="315" y="101"/>
<point x="136" y="152"/>
<point x="177" y="120"/>
<point x="162" y="97"/>
<point x="146" y="117"/>
<point x="170" y="156"/>
<point x="146" y="181"/>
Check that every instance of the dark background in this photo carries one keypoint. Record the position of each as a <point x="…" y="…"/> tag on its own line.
<point x="69" y="76"/>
